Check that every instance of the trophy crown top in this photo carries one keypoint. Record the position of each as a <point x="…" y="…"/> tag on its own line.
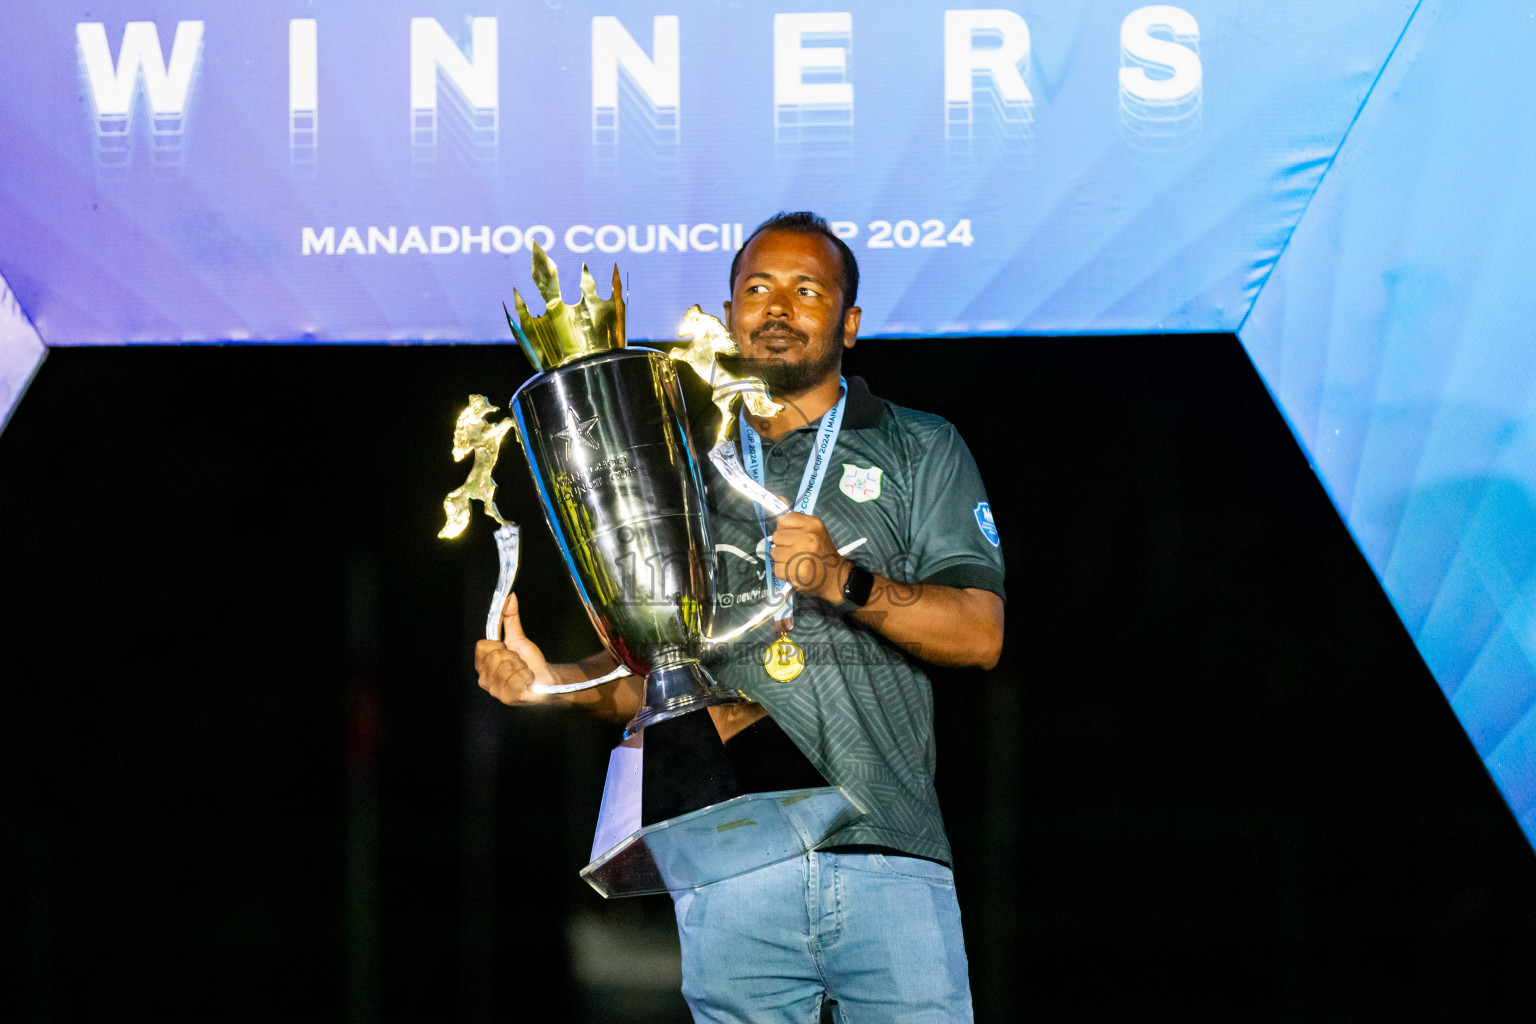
<point x="566" y="333"/>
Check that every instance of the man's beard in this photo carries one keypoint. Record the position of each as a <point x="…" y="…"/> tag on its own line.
<point x="789" y="379"/>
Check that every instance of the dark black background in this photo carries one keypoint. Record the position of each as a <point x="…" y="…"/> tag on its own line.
<point x="247" y="773"/>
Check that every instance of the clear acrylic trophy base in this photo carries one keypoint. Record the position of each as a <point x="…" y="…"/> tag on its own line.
<point x="677" y="815"/>
<point x="720" y="841"/>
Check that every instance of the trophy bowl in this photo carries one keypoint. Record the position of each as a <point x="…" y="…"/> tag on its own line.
<point x="619" y="481"/>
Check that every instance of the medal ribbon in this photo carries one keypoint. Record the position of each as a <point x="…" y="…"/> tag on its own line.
<point x="810" y="481"/>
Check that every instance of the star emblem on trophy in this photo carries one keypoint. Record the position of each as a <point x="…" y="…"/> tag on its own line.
<point x="578" y="432"/>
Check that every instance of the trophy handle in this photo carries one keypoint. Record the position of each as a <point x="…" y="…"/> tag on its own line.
<point x="586" y="684"/>
<point x="506" y="557"/>
<point x="723" y="455"/>
<point x="507" y="551"/>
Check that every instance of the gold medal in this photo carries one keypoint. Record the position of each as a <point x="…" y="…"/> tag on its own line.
<point x="783" y="659"/>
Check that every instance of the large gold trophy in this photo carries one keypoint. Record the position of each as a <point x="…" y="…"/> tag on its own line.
<point x="605" y="433"/>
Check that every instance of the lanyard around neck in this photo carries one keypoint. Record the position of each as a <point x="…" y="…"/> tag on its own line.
<point x="810" y="481"/>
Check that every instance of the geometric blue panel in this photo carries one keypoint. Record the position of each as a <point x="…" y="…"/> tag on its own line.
<point x="21" y="352"/>
<point x="1396" y="336"/>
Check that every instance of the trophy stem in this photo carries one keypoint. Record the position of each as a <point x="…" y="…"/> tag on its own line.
<point x="675" y="688"/>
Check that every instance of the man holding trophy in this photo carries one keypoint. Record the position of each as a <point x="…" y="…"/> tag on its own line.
<point x="895" y="564"/>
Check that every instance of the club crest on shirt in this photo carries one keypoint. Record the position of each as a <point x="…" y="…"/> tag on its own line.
<point x="984" y="520"/>
<point x="860" y="484"/>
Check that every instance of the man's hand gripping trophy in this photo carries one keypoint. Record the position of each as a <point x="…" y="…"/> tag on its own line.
<point x="510" y="666"/>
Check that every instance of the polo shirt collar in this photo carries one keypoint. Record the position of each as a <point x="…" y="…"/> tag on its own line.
<point x="863" y="410"/>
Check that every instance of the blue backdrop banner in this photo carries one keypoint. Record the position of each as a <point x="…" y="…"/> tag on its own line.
<point x="182" y="170"/>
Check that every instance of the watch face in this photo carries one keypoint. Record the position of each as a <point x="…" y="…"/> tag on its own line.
<point x="860" y="582"/>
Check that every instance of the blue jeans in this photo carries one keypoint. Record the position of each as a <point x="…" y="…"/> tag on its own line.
<point x="879" y="934"/>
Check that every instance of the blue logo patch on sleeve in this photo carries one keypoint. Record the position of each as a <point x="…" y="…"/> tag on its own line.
<point x="984" y="520"/>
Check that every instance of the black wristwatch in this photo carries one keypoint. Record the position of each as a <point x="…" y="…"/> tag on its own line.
<point x="857" y="588"/>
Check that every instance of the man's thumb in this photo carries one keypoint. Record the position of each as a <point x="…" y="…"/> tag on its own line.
<point x="511" y="622"/>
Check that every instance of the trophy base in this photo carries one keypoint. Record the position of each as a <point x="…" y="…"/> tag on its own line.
<point x="721" y="841"/>
<point x="676" y="689"/>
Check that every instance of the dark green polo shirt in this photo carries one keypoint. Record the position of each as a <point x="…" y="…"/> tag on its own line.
<point x="902" y="498"/>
